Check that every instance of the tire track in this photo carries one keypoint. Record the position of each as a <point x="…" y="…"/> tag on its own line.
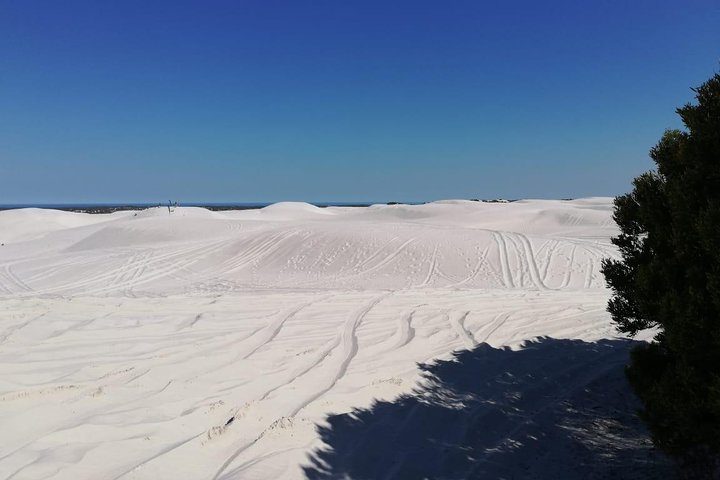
<point x="5" y="288"/>
<point x="158" y="273"/>
<point x="548" y="259"/>
<point x="388" y="258"/>
<point x="407" y="332"/>
<point x="589" y="273"/>
<point x="530" y="261"/>
<point x="431" y="269"/>
<point x="70" y="262"/>
<point x="142" y="265"/>
<point x="348" y="342"/>
<point x="10" y="330"/>
<point x="158" y="259"/>
<point x="267" y="334"/>
<point x="356" y="268"/>
<point x="14" y="281"/>
<point x="127" y="265"/>
<point x="458" y="324"/>
<point x="256" y="252"/>
<point x="504" y="263"/>
<point x="568" y="270"/>
<point x="476" y="269"/>
<point x="324" y="351"/>
<point x="522" y="261"/>
<point x="494" y="325"/>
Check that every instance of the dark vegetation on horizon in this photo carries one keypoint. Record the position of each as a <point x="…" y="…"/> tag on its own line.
<point x="116" y="207"/>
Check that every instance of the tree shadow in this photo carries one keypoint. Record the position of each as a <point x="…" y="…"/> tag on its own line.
<point x="553" y="409"/>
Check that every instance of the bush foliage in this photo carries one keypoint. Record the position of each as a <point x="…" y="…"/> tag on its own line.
<point x="668" y="278"/>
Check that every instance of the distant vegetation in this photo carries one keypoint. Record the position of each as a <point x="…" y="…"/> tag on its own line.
<point x="110" y="208"/>
<point x="669" y="279"/>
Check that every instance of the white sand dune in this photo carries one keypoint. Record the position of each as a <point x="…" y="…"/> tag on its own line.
<point x="210" y="345"/>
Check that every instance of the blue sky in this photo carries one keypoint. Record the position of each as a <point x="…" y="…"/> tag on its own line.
<point x="262" y="100"/>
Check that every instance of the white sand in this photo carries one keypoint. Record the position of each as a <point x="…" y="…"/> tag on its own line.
<point x="128" y="341"/>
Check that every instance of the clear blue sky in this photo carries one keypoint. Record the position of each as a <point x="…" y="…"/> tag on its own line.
<point x="262" y="100"/>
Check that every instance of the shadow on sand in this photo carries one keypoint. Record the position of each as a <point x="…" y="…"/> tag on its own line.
<point x="553" y="409"/>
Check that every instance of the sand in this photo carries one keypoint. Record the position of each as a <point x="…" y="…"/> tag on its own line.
<point x="215" y="345"/>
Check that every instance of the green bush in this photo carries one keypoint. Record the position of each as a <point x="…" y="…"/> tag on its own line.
<point x="668" y="278"/>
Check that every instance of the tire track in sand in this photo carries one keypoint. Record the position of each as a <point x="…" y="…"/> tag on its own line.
<point x="568" y="271"/>
<point x="348" y="340"/>
<point x="494" y="325"/>
<point x="476" y="269"/>
<point x="391" y="256"/>
<point x="407" y="332"/>
<point x="256" y="252"/>
<point x="267" y="334"/>
<point x="458" y="324"/>
<point x="188" y="255"/>
<point x="531" y="263"/>
<point x="14" y="280"/>
<point x="504" y="263"/>
<point x="431" y="269"/>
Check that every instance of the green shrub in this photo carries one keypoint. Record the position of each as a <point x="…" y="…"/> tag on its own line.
<point x="668" y="278"/>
